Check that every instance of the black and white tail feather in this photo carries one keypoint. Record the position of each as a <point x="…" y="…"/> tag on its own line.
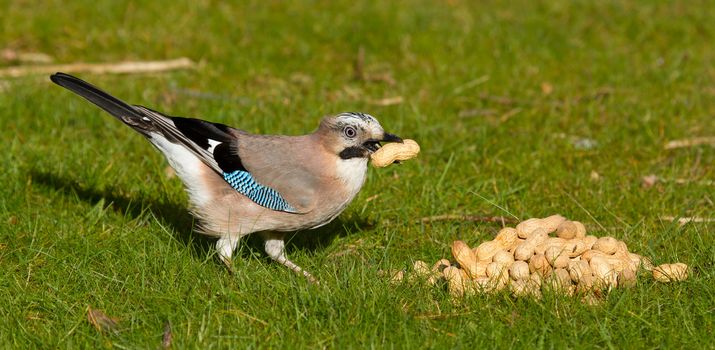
<point x="187" y="132"/>
<point x="183" y="141"/>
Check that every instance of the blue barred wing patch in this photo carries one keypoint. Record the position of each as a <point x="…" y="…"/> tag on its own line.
<point x="245" y="184"/>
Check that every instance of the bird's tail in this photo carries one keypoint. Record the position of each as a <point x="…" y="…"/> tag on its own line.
<point x="129" y="115"/>
<point x="177" y="138"/>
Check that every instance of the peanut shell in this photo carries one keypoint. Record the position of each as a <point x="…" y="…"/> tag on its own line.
<point x="549" y="242"/>
<point x="524" y="287"/>
<point x="627" y="278"/>
<point x="553" y="252"/>
<point x="536" y="280"/>
<point x="551" y="223"/>
<point x="524" y="251"/>
<point x="507" y="238"/>
<point x="580" y="246"/>
<point x="503" y="257"/>
<point x="579" y="269"/>
<point x="465" y="257"/>
<point x="608" y="245"/>
<point x="395" y="151"/>
<point x="526" y="227"/>
<point x="670" y="272"/>
<point x="397" y="277"/>
<point x="486" y="250"/>
<point x="567" y="230"/>
<point x="519" y="270"/>
<point x="495" y="269"/>
<point x="539" y="264"/>
<point x="454" y="277"/>
<point x="421" y="269"/>
<point x="537" y="237"/>
<point x="561" y="262"/>
<point x="500" y="279"/>
<point x="605" y="275"/>
<point x="440" y="265"/>
<point x="580" y="229"/>
<point x="559" y="280"/>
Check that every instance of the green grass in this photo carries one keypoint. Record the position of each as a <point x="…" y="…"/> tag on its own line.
<point x="89" y="218"/>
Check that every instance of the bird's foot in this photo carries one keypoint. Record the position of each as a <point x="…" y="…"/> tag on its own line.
<point x="275" y="248"/>
<point x="225" y="247"/>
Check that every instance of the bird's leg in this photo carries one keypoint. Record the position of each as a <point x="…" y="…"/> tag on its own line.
<point x="225" y="247"/>
<point x="275" y="248"/>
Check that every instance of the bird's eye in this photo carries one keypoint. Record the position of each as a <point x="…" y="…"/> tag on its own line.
<point x="350" y="131"/>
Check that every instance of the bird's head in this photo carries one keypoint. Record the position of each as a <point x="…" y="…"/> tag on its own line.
<point x="354" y="135"/>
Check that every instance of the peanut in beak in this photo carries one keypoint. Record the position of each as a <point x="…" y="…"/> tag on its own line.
<point x="395" y="152"/>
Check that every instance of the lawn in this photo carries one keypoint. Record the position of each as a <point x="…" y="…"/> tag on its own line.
<point x="522" y="109"/>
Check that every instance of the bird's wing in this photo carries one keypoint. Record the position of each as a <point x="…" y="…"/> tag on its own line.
<point x="269" y="175"/>
<point x="289" y="164"/>
<point x="194" y="134"/>
<point x="258" y="167"/>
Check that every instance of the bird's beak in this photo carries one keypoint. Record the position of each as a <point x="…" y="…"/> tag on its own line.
<point x="373" y="145"/>
<point x="391" y="138"/>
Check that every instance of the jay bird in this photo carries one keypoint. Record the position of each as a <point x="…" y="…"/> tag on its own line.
<point x="240" y="183"/>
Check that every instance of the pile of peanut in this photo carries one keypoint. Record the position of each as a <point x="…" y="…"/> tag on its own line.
<point x="527" y="260"/>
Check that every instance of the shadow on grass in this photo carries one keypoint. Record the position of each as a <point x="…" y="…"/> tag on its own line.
<point x="177" y="217"/>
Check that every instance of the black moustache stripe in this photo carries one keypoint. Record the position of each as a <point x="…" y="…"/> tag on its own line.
<point x="353" y="152"/>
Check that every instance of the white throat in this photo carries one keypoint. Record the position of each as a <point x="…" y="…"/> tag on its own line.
<point x="352" y="173"/>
